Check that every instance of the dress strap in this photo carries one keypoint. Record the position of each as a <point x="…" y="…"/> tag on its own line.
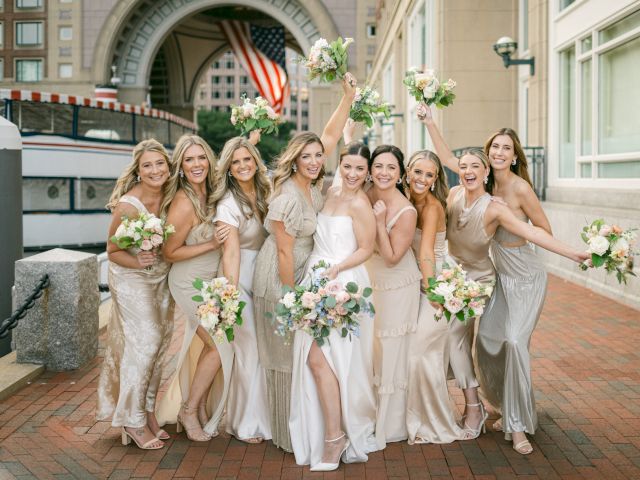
<point x="395" y="218"/>
<point x="130" y="199"/>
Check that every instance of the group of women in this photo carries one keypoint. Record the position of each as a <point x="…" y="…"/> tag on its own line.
<point x="385" y="224"/>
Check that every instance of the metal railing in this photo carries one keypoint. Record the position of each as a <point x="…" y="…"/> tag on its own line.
<point x="10" y="323"/>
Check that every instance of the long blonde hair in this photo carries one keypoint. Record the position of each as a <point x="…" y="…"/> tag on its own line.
<point x="177" y="182"/>
<point x="226" y="182"/>
<point x="284" y="167"/>
<point x="441" y="189"/>
<point x="129" y="177"/>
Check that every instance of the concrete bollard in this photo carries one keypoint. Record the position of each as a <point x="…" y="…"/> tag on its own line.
<point x="61" y="330"/>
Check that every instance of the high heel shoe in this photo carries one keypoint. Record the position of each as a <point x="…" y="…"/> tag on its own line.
<point x="328" y="467"/>
<point x="127" y="437"/>
<point x="471" y="433"/>
<point x="191" y="425"/>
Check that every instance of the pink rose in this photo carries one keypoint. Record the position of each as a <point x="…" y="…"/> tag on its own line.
<point x="342" y="297"/>
<point x="146" y="245"/>
<point x="616" y="229"/>
<point x="605" y="230"/>
<point x="341" y="310"/>
<point x="156" y="239"/>
<point x="333" y="287"/>
<point x="308" y="300"/>
<point x="447" y="274"/>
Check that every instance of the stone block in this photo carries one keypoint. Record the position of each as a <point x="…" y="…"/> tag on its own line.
<point x="61" y="330"/>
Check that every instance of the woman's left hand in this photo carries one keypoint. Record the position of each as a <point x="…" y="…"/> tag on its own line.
<point x="331" y="272"/>
<point x="254" y="136"/>
<point x="349" y="84"/>
<point x="581" y="257"/>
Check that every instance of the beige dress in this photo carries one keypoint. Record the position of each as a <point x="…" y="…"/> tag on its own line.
<point x="431" y="414"/>
<point x="181" y="279"/>
<point x="247" y="407"/>
<point x="469" y="247"/>
<point x="396" y="297"/>
<point x="291" y="207"/>
<point x="138" y="336"/>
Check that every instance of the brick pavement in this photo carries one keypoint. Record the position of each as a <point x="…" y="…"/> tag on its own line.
<point x="586" y="351"/>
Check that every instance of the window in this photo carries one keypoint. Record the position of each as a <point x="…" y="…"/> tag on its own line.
<point x="1" y="69"/>
<point x="524" y="25"/>
<point x="66" y="1"/>
<point x="371" y="49"/>
<point x="65" y="70"/>
<point x="244" y="80"/>
<point x="229" y="64"/>
<point x="216" y="64"/>
<point x="215" y="94"/>
<point x="29" y="34"/>
<point x="64" y="51"/>
<point x="229" y="80"/>
<point x="371" y="30"/>
<point x="28" y="70"/>
<point x="215" y="80"/>
<point x="367" y="68"/>
<point x="567" y="112"/>
<point x="28" y="4"/>
<point x="64" y="15"/>
<point x="565" y="3"/>
<point x="1" y="34"/>
<point x="229" y="94"/>
<point x="65" y="33"/>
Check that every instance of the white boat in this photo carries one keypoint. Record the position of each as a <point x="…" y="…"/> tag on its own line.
<point x="74" y="149"/>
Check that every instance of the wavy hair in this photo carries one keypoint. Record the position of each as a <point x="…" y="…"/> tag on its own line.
<point x="128" y="178"/>
<point x="396" y="152"/>
<point x="441" y="189"/>
<point x="177" y="182"/>
<point x="356" y="148"/>
<point x="227" y="182"/>
<point x="284" y="165"/>
<point x="521" y="168"/>
<point x="480" y="155"/>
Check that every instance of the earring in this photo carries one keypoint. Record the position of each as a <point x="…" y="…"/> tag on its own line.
<point x="229" y="173"/>
<point x="138" y="178"/>
<point x="368" y="178"/>
<point x="513" y="162"/>
<point x="294" y="167"/>
<point x="399" y="182"/>
<point x="433" y="186"/>
<point x="486" y="179"/>
<point x="181" y="173"/>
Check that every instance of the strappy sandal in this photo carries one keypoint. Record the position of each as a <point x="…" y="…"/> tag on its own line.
<point x="252" y="440"/>
<point x="161" y="435"/>
<point x="326" y="466"/>
<point x="191" y="425"/>
<point x="127" y="437"/>
<point x="471" y="433"/>
<point x="523" y="448"/>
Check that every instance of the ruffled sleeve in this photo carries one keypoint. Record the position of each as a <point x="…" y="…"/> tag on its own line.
<point x="286" y="208"/>
<point x="227" y="211"/>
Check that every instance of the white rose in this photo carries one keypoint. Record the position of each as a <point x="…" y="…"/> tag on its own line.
<point x="248" y="109"/>
<point x="121" y="231"/>
<point x="445" y="289"/>
<point x="431" y="88"/>
<point x="598" y="245"/>
<point x="289" y="299"/>
<point x="453" y="305"/>
<point x="620" y="248"/>
<point x="605" y="230"/>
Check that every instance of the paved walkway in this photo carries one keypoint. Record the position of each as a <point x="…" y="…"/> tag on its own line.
<point x="586" y="370"/>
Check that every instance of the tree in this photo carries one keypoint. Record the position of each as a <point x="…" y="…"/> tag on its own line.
<point x="215" y="128"/>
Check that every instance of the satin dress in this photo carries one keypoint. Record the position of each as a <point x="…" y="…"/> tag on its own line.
<point x="138" y="336"/>
<point x="334" y="241"/>
<point x="432" y="416"/>
<point x="396" y="297"/>
<point x="247" y="406"/>
<point x="293" y="209"/>
<point x="504" y="335"/>
<point x="181" y="279"/>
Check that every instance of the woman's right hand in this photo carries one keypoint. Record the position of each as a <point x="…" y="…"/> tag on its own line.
<point x="380" y="211"/>
<point x="349" y="130"/>
<point x="349" y="83"/>
<point x="423" y="112"/>
<point x="146" y="258"/>
<point x="222" y="232"/>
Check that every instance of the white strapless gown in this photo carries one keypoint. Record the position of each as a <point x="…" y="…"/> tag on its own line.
<point x="349" y="358"/>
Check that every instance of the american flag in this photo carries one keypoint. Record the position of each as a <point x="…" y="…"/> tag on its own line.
<point x="260" y="51"/>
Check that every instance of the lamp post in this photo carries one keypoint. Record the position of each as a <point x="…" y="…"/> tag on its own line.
<point x="505" y="47"/>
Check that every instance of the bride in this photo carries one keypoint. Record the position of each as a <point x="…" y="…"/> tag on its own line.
<point x="332" y="401"/>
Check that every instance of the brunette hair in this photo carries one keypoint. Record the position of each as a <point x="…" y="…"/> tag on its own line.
<point x="521" y="167"/>
<point x="356" y="148"/>
<point x="396" y="152"/>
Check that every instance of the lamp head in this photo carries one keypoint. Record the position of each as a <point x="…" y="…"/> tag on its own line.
<point x="505" y="46"/>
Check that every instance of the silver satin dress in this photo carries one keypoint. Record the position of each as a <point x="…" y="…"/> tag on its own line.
<point x="504" y="334"/>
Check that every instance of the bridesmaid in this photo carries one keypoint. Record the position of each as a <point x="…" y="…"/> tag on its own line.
<point x="431" y="414"/>
<point x="333" y="408"/>
<point x="472" y="223"/>
<point x="201" y="381"/>
<point x="395" y="280"/>
<point x="140" y="327"/>
<point x="291" y="222"/>
<point x="502" y="345"/>
<point x="243" y="190"/>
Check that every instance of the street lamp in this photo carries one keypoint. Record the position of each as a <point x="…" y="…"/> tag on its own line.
<point x="505" y="47"/>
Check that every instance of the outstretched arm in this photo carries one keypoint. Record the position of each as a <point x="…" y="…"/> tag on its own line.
<point x="333" y="130"/>
<point x="447" y="157"/>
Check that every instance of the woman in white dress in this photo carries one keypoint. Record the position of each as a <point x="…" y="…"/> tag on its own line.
<point x="243" y="190"/>
<point x="332" y="402"/>
<point x="431" y="414"/>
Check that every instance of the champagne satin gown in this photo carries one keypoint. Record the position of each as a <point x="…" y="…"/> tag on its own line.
<point x="181" y="279"/>
<point x="469" y="247"/>
<point x="138" y="336"/>
<point x="431" y="413"/>
<point x="334" y="241"/>
<point x="396" y="297"/>
<point x="247" y="406"/>
<point x="291" y="207"/>
<point x="504" y="335"/>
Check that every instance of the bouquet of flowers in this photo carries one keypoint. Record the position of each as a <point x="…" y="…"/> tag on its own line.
<point x="366" y="104"/>
<point x="221" y="310"/>
<point x="459" y="296"/>
<point x="146" y="231"/>
<point x="425" y="87"/>
<point x="251" y="116"/>
<point x="610" y="246"/>
<point x="324" y="305"/>
<point x="327" y="61"/>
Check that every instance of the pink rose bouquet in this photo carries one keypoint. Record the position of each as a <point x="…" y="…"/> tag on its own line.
<point x="146" y="232"/>
<point x="221" y="310"/>
<point x="610" y="246"/>
<point x="255" y="115"/>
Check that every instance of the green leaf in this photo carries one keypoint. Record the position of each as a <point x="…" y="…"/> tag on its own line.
<point x="281" y="309"/>
<point x="324" y="331"/>
<point x="197" y="298"/>
<point x="238" y="319"/>
<point x="241" y="306"/>
<point x="371" y="307"/>
<point x="597" y="260"/>
<point x="352" y="287"/>
<point x="350" y="304"/>
<point x="432" y="282"/>
<point x="460" y="316"/>
<point x="345" y="332"/>
<point x="198" y="283"/>
<point x="447" y="315"/>
<point x="330" y="302"/>
<point x="367" y="292"/>
<point x="229" y="333"/>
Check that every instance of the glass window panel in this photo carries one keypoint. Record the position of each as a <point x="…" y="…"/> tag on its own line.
<point x="567" y="113"/>
<point x="1" y="69"/>
<point x="104" y="124"/>
<point x="626" y="24"/>
<point x="148" y="127"/>
<point x="619" y="99"/>
<point x="46" y="194"/>
<point x="585" y="170"/>
<point x="586" y="44"/>
<point x="586" y="111"/>
<point x="565" y="3"/>
<point x="65" y="70"/>
<point x="28" y="3"/>
<point x="28" y="70"/>
<point x="43" y="117"/>
<point x="28" y="33"/>
<point x="1" y="33"/>
<point x="92" y="194"/>
<point x="65" y="33"/>
<point x="619" y="170"/>
<point x="525" y="25"/>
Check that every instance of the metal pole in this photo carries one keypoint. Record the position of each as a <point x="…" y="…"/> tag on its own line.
<point x="10" y="216"/>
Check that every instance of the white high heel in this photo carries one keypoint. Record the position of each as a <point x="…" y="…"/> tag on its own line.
<point x="471" y="433"/>
<point x="328" y="467"/>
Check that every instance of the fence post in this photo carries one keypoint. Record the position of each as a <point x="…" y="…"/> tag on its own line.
<point x="10" y="216"/>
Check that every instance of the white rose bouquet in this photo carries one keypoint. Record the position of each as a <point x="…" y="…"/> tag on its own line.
<point x="425" y="87"/>
<point x="324" y="305"/>
<point x="611" y="247"/>
<point x="146" y="232"/>
<point x="255" y="115"/>
<point x="459" y="296"/>
<point x="327" y="61"/>
<point x="366" y="104"/>
<point x="221" y="310"/>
